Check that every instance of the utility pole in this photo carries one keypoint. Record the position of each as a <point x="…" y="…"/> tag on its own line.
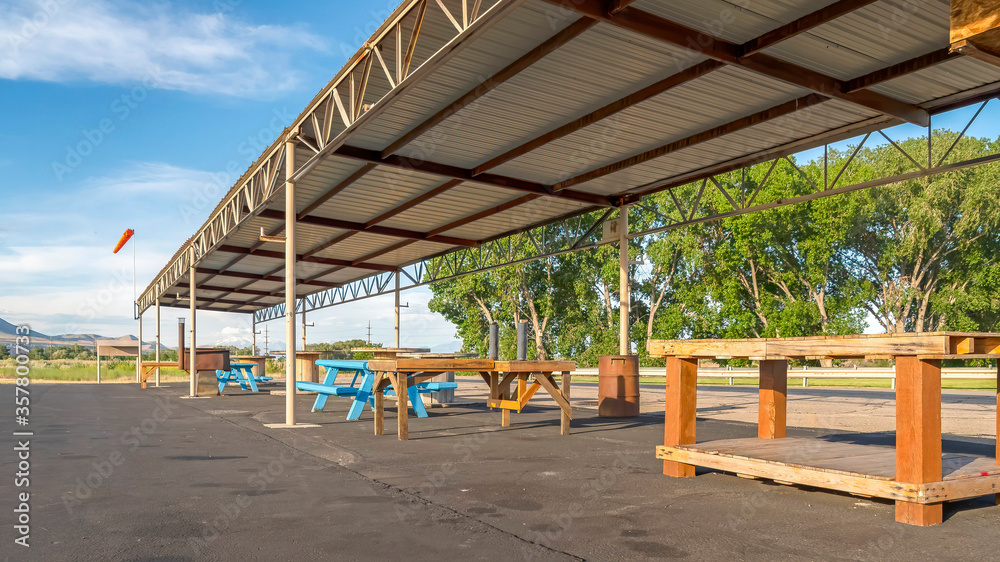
<point x="369" y="332"/>
<point x="266" y="352"/>
<point x="304" y="326"/>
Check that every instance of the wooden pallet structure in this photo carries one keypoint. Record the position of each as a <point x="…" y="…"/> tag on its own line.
<point x="915" y="474"/>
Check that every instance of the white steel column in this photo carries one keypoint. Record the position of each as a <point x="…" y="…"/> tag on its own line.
<point x="397" y="311"/>
<point x="624" y="346"/>
<point x="138" y="358"/>
<point x="157" y="340"/>
<point x="289" y="283"/>
<point x="193" y="345"/>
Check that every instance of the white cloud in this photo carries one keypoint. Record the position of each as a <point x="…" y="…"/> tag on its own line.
<point x="157" y="44"/>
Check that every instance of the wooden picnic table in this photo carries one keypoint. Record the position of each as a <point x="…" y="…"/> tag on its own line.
<point x="447" y="396"/>
<point x="914" y="474"/>
<point x="403" y="372"/>
<point x="260" y="360"/>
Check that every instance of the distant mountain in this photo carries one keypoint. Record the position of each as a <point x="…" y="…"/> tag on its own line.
<point x="8" y="336"/>
<point x="450" y="347"/>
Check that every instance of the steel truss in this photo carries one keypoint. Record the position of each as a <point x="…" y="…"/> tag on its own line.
<point x="689" y="203"/>
<point x="384" y="67"/>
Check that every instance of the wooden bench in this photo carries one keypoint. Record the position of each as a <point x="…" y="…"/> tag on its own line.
<point x="150" y="367"/>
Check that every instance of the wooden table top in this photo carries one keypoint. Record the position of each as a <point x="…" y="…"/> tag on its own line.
<point x="430" y="365"/>
<point x="927" y="345"/>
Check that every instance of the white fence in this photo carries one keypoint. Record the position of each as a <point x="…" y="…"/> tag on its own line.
<point x="806" y="373"/>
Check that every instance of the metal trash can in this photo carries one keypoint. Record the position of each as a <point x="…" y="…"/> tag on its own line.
<point x="618" y="386"/>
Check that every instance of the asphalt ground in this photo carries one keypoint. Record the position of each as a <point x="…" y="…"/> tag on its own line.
<point x="117" y="473"/>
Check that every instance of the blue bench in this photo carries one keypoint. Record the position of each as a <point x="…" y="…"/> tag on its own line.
<point x="362" y="393"/>
<point x="241" y="373"/>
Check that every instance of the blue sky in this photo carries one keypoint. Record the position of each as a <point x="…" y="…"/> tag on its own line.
<point x="123" y="115"/>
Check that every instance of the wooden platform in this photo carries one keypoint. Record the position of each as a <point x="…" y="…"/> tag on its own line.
<point x="868" y="470"/>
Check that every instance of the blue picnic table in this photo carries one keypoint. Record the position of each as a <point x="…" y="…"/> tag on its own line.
<point x="362" y="393"/>
<point x="241" y="373"/>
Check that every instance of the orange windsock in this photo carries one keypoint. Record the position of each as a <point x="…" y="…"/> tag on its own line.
<point x="125" y="238"/>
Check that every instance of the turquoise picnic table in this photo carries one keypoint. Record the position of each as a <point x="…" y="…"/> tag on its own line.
<point x="241" y="373"/>
<point x="362" y="392"/>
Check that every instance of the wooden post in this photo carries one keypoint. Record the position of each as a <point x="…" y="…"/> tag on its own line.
<point x="379" y="408"/>
<point x="564" y="417"/>
<point x="522" y="386"/>
<point x="773" y="399"/>
<point x="504" y="412"/>
<point x="680" y="409"/>
<point x="402" y="415"/>
<point x="918" y="434"/>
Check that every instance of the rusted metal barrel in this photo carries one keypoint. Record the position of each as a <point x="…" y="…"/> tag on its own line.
<point x="618" y="386"/>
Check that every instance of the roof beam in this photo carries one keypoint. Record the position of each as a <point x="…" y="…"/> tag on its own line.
<point x="801" y="25"/>
<point x="367" y="257"/>
<point x="228" y="290"/>
<point x="256" y="277"/>
<point x="653" y="26"/>
<point x="634" y="98"/>
<point x="551" y="44"/>
<point x="464" y="174"/>
<point x="220" y="300"/>
<point x="413" y="202"/>
<point x="900" y="69"/>
<point x="358" y="174"/>
<point x="707" y="135"/>
<point x="485" y="213"/>
<point x="302" y="258"/>
<point x="358" y="227"/>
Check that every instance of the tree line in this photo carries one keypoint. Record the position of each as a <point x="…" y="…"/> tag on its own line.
<point x="915" y="256"/>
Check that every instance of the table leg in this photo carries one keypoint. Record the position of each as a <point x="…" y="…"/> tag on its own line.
<point x="564" y="417"/>
<point x="504" y="391"/>
<point x="773" y="399"/>
<point x="399" y="383"/>
<point x="379" y="406"/>
<point x="522" y="383"/>
<point x="918" y="434"/>
<point x="680" y="409"/>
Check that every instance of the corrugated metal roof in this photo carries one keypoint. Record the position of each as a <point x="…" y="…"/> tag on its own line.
<point x="392" y="210"/>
